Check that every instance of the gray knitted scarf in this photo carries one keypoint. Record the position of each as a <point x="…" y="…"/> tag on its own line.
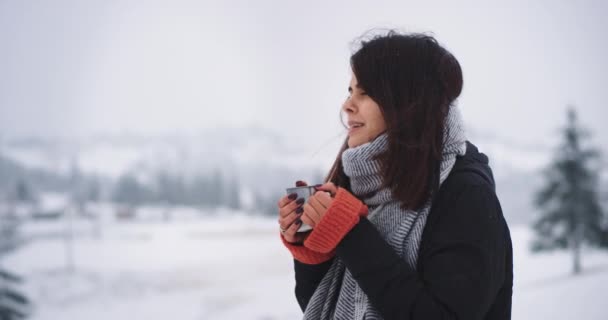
<point x="338" y="296"/>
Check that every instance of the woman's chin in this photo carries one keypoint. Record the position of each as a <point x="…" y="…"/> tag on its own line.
<point x="353" y="142"/>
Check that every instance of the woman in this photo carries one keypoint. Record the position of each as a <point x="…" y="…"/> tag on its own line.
<point x="408" y="225"/>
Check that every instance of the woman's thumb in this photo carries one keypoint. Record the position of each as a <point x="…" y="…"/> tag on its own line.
<point x="329" y="187"/>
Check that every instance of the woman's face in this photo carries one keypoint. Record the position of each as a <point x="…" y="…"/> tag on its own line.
<point x="364" y="118"/>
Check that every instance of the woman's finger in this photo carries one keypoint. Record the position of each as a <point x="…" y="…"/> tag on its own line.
<point x="286" y="199"/>
<point x="290" y="207"/>
<point x="312" y="213"/>
<point x="287" y="221"/>
<point x="317" y="205"/>
<point x="324" y="197"/>
<point x="307" y="220"/>
<point x="329" y="187"/>
<point x="290" y="233"/>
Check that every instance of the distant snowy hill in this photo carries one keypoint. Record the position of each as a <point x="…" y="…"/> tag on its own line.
<point x="262" y="160"/>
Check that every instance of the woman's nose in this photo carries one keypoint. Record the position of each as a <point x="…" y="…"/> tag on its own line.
<point x="348" y="106"/>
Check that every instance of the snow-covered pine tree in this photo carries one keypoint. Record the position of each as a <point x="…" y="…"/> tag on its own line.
<point x="570" y="211"/>
<point x="13" y="303"/>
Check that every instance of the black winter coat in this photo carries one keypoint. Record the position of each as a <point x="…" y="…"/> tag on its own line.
<point x="465" y="260"/>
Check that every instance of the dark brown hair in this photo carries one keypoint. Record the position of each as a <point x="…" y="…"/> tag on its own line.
<point x="414" y="80"/>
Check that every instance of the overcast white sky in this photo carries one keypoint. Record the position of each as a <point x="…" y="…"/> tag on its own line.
<point x="82" y="67"/>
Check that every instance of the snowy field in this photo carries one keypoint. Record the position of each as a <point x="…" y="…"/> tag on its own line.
<point x="234" y="267"/>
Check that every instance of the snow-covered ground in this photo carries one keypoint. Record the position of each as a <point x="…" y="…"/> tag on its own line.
<point x="234" y="267"/>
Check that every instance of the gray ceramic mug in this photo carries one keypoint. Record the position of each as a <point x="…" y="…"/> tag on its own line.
<point x="303" y="192"/>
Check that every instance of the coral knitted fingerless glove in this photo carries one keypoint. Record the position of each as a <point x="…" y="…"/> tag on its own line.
<point x="341" y="216"/>
<point x="305" y="255"/>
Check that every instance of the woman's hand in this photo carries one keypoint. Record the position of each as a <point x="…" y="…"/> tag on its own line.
<point x="290" y="212"/>
<point x="316" y="206"/>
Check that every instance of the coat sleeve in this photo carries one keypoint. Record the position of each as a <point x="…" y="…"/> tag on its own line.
<point x="308" y="277"/>
<point x="460" y="271"/>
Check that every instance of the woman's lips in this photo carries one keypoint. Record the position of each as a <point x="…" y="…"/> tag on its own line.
<point x="354" y="129"/>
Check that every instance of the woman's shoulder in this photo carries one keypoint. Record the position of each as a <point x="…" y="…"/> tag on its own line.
<point x="470" y="170"/>
<point x="468" y="193"/>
